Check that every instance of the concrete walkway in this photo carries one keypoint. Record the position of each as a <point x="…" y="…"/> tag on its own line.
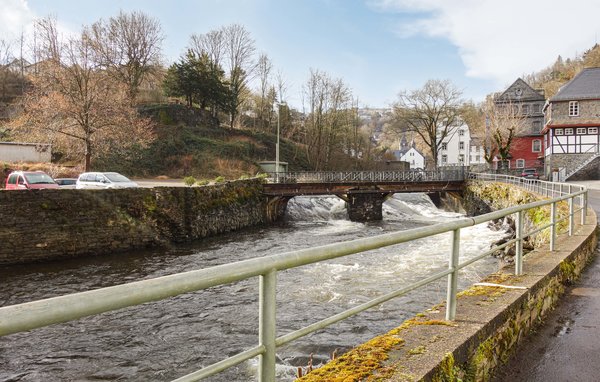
<point x="567" y="346"/>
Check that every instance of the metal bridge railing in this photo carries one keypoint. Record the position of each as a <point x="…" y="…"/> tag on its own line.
<point x="444" y="174"/>
<point x="36" y="314"/>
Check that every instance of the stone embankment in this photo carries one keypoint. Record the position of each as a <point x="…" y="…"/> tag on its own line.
<point x="491" y="319"/>
<point x="41" y="225"/>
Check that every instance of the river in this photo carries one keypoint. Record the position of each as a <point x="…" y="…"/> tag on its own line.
<point x="165" y="340"/>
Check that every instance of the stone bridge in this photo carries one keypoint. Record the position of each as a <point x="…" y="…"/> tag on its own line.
<point x="363" y="191"/>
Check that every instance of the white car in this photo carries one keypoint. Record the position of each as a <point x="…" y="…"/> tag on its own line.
<point x="103" y="180"/>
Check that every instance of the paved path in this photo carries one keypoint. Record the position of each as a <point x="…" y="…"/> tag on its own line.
<point x="567" y="346"/>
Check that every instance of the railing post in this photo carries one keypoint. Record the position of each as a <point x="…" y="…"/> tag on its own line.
<point x="266" y="328"/>
<point x="583" y="207"/>
<point x="453" y="277"/>
<point x="571" y="216"/>
<point x="519" y="244"/>
<point x="552" y="226"/>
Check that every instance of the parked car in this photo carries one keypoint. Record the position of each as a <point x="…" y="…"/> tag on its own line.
<point x="103" y="180"/>
<point x="530" y="173"/>
<point x="66" y="182"/>
<point x="29" y="180"/>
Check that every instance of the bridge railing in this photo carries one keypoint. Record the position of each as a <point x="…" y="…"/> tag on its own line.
<point x="441" y="174"/>
<point x="36" y="314"/>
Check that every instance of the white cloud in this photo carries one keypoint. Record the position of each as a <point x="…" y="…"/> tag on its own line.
<point x="15" y="18"/>
<point x="501" y="40"/>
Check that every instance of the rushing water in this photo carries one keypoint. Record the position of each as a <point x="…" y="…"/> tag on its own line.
<point x="164" y="340"/>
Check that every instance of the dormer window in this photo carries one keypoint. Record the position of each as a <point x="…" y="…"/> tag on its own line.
<point x="573" y="109"/>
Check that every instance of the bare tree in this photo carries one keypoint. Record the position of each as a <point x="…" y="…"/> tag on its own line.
<point x="211" y="43"/>
<point x="77" y="106"/>
<point x="239" y="52"/>
<point x="266" y="92"/>
<point x="431" y="112"/>
<point x="504" y="121"/>
<point x="326" y="127"/>
<point x="129" y="45"/>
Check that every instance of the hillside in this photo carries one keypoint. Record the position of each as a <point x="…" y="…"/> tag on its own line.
<point x="189" y="142"/>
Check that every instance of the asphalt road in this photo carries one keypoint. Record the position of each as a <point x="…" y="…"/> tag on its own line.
<point x="160" y="182"/>
<point x="567" y="346"/>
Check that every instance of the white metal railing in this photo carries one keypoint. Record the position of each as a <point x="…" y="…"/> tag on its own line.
<point x="36" y="314"/>
<point x="456" y="173"/>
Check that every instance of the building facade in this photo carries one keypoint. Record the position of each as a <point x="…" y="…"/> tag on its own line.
<point x="409" y="153"/>
<point x="456" y="146"/>
<point x="527" y="148"/>
<point x="571" y="133"/>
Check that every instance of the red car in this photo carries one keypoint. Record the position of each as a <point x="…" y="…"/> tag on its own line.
<point x="29" y="180"/>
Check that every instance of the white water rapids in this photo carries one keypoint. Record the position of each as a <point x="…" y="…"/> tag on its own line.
<point x="164" y="340"/>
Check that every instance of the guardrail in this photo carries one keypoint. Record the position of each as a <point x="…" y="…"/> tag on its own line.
<point x="445" y="174"/>
<point x="36" y="314"/>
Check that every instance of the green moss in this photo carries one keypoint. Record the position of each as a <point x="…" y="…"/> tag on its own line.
<point x="448" y="371"/>
<point x="360" y="363"/>
<point x="567" y="271"/>
<point x="150" y="204"/>
<point x="421" y="349"/>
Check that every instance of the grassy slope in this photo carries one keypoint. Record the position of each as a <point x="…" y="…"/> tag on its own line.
<point x="193" y="144"/>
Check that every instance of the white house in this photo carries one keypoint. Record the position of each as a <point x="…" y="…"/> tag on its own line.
<point x="476" y="152"/>
<point x="455" y="147"/>
<point x="409" y="153"/>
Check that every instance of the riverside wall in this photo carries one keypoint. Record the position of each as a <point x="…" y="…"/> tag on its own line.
<point x="40" y="225"/>
<point x="491" y="320"/>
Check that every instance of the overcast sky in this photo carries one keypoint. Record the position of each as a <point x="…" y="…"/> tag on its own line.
<point x="378" y="47"/>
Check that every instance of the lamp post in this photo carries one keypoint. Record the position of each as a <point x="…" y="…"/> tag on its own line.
<point x="277" y="143"/>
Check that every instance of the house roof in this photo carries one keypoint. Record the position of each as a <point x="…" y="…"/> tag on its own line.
<point x="585" y="85"/>
<point x="519" y="91"/>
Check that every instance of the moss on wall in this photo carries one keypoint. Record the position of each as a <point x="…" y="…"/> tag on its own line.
<point x="71" y="223"/>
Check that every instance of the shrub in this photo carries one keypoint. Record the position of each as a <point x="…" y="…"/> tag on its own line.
<point x="219" y="179"/>
<point x="189" y="181"/>
<point x="202" y="182"/>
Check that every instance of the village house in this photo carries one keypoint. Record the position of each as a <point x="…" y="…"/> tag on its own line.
<point x="459" y="148"/>
<point x="409" y="153"/>
<point x="526" y="150"/>
<point x="571" y="132"/>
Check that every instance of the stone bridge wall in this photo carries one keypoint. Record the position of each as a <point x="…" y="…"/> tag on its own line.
<point x="41" y="225"/>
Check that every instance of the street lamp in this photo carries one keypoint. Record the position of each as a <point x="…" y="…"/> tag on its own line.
<point x="277" y="144"/>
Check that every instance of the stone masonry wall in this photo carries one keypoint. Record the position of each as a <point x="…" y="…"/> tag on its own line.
<point x="41" y="225"/>
<point x="588" y="112"/>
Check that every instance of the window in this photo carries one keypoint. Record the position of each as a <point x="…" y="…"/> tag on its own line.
<point x="536" y="146"/>
<point x="461" y="133"/>
<point x="573" y="108"/>
<point x="461" y="158"/>
<point x="592" y="130"/>
<point x="558" y="132"/>
<point x="526" y="109"/>
<point x="477" y="158"/>
<point x="581" y="130"/>
<point x="536" y="108"/>
<point x="537" y="126"/>
<point x="444" y="158"/>
<point x="461" y="145"/>
<point x="444" y="146"/>
<point x="520" y="163"/>
<point x="13" y="179"/>
<point x="569" y="131"/>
